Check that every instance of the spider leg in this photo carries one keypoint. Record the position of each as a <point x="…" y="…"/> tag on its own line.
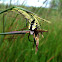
<point x="26" y="22"/>
<point x="42" y="35"/>
<point x="34" y="40"/>
<point x="37" y="42"/>
<point x="22" y="28"/>
<point x="28" y="37"/>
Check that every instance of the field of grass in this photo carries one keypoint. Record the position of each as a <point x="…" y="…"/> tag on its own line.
<point x="19" y="49"/>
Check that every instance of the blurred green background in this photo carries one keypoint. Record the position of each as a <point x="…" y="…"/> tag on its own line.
<point x="17" y="48"/>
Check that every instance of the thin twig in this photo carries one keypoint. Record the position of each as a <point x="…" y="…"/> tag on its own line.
<point x="50" y="58"/>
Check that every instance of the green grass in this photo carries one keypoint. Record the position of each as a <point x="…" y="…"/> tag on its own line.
<point x="20" y="49"/>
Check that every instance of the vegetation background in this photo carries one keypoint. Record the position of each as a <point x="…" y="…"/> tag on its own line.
<point x="17" y="48"/>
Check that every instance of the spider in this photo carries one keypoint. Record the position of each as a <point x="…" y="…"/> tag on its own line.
<point x="34" y="26"/>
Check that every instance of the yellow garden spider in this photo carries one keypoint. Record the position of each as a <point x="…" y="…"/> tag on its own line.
<point x="34" y="26"/>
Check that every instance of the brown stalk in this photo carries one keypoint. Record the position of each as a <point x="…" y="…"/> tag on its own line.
<point x="50" y="59"/>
